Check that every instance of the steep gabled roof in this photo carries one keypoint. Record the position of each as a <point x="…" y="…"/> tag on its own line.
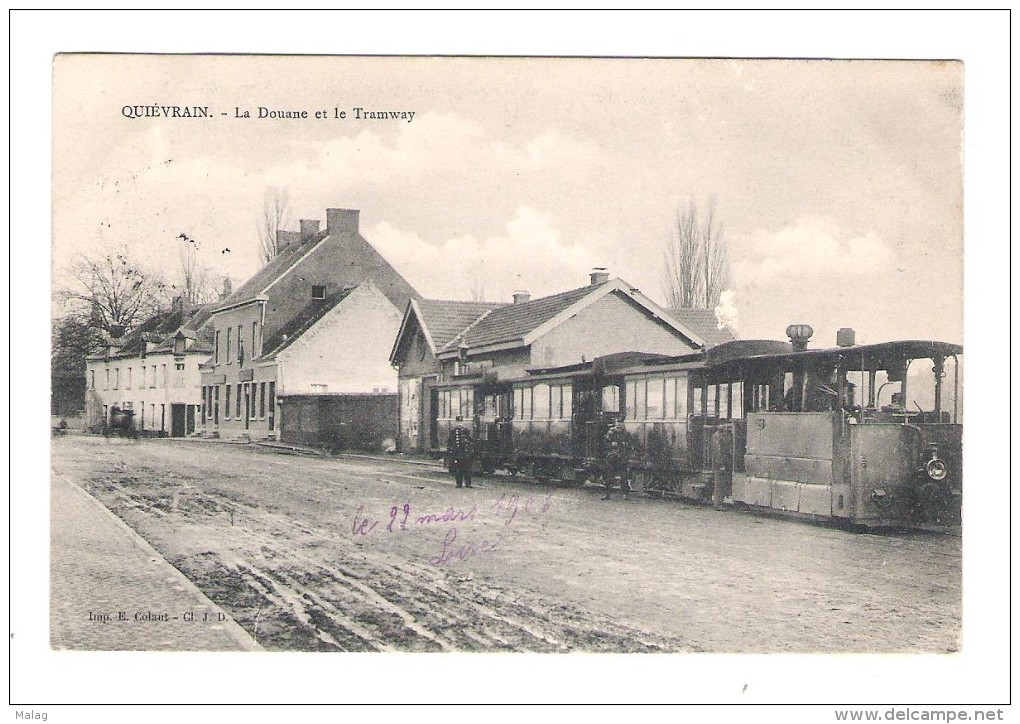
<point x="703" y="322"/>
<point x="276" y="268"/>
<point x="300" y="323"/>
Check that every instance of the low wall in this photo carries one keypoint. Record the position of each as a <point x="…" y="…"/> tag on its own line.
<point x="362" y="422"/>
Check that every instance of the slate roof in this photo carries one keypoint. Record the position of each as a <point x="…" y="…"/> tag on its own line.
<point x="512" y="322"/>
<point x="301" y="322"/>
<point x="271" y="271"/>
<point x="162" y="326"/>
<point x="702" y="322"/>
<point x="445" y="319"/>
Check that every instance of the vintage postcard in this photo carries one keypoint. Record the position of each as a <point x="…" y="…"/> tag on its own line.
<point x="501" y="354"/>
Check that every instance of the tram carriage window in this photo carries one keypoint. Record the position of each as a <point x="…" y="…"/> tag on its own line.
<point x="610" y="398"/>
<point x="567" y="411"/>
<point x="697" y="400"/>
<point x="655" y="392"/>
<point x="669" y="409"/>
<point x="522" y="403"/>
<point x="640" y="404"/>
<point x="737" y="400"/>
<point x="724" y="401"/>
<point x="541" y="394"/>
<point x="555" y="402"/>
<point x="681" y="398"/>
<point x="630" y="412"/>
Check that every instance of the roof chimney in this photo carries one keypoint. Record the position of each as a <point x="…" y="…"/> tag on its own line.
<point x="309" y="227"/>
<point x="599" y="275"/>
<point x="845" y="337"/>
<point x="228" y="288"/>
<point x="521" y="297"/>
<point x="340" y="220"/>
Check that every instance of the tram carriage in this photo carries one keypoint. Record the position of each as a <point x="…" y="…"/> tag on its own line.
<point x="867" y="434"/>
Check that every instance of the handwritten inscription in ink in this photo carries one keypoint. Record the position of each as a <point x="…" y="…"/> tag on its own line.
<point x="455" y="547"/>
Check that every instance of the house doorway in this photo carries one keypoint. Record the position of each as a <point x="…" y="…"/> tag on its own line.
<point x="176" y="420"/>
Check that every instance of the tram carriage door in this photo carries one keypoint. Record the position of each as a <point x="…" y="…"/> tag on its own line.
<point x="721" y="453"/>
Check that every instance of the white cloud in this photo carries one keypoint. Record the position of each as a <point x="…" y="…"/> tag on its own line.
<point x="813" y="247"/>
<point x="529" y="255"/>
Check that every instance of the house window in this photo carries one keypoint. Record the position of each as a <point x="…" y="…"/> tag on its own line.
<point x="142" y="383"/>
<point x="141" y="423"/>
<point x="318" y="291"/>
<point x="128" y="385"/>
<point x="226" y="402"/>
<point x="92" y="379"/>
<point x="262" y="401"/>
<point x="179" y="375"/>
<point x="216" y="347"/>
<point x="205" y="395"/>
<point x="230" y="332"/>
<point x="254" y="339"/>
<point x="238" y="409"/>
<point x="116" y="378"/>
<point x="240" y="343"/>
<point x="164" y="377"/>
<point x="106" y="385"/>
<point x="272" y="405"/>
<point x="153" y="382"/>
<point x="216" y="405"/>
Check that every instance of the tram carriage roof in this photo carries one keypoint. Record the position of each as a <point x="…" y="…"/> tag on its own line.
<point x="880" y="356"/>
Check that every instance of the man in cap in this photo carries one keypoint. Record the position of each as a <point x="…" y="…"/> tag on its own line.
<point x="616" y="446"/>
<point x="461" y="447"/>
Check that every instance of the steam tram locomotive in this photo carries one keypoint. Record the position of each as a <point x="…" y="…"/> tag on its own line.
<point x="866" y="434"/>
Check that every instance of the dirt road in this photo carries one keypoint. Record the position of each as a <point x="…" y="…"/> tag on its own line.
<point x="355" y="554"/>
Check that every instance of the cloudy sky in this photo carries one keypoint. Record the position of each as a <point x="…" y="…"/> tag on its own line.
<point x="839" y="182"/>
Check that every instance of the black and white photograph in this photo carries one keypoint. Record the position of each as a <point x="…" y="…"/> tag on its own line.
<point x="494" y="357"/>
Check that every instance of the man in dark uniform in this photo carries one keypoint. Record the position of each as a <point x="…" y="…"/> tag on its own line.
<point x="461" y="447"/>
<point x="616" y="447"/>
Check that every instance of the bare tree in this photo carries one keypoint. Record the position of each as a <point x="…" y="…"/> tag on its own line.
<point x="696" y="258"/>
<point x="112" y="291"/>
<point x="477" y="288"/>
<point x="198" y="284"/>
<point x="275" y="215"/>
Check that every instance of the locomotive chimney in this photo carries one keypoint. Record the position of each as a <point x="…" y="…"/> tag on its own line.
<point x="799" y="335"/>
<point x="846" y="337"/>
<point x="599" y="275"/>
<point x="521" y="297"/>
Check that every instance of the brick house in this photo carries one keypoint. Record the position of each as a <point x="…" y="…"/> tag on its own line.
<point x="153" y="372"/>
<point x="443" y="344"/>
<point x="319" y="318"/>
